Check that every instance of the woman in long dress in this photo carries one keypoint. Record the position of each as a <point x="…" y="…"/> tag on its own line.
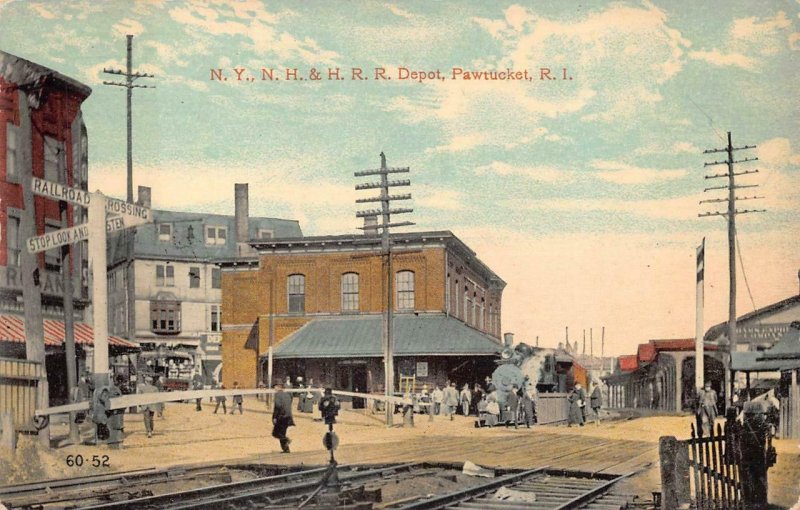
<point x="575" y="400"/>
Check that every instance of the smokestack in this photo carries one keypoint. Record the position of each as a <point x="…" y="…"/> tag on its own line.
<point x="145" y="194"/>
<point x="509" y="338"/>
<point x="242" y="211"/>
<point x="242" y="217"/>
<point x="371" y="226"/>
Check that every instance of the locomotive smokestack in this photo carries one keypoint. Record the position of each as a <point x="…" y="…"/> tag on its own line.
<point x="509" y="339"/>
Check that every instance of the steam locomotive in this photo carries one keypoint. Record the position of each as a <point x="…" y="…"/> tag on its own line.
<point x="550" y="370"/>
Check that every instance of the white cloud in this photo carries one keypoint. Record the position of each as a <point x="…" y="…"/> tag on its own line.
<point x="538" y="173"/>
<point x="718" y="58"/>
<point x="251" y="21"/>
<point x="128" y="26"/>
<point x="676" y="208"/>
<point x="459" y="143"/>
<point x="686" y="147"/>
<point x="622" y="173"/>
<point x="42" y="11"/>
<point x="397" y="11"/>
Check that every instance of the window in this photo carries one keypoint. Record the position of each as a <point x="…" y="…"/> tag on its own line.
<point x="53" y="152"/>
<point x="165" y="231"/>
<point x="264" y="233"/>
<point x="296" y="288"/>
<point x="52" y="258"/>
<point x="194" y="277"/>
<point x="13" y="241"/>
<point x="11" y="151"/>
<point x="216" y="278"/>
<point x="405" y="290"/>
<point x="216" y="235"/>
<point x="350" y="292"/>
<point x="165" y="316"/>
<point x="216" y="318"/>
<point x="469" y="316"/>
<point x="165" y="276"/>
<point x="481" y="318"/>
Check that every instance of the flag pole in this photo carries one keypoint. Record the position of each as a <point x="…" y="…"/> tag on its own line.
<point x="698" y="342"/>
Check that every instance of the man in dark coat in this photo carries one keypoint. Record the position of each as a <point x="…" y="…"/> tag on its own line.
<point x="576" y="401"/>
<point x="596" y="401"/>
<point x="282" y="417"/>
<point x="512" y="405"/>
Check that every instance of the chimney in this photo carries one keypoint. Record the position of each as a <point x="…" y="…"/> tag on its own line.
<point x="242" y="212"/>
<point x="145" y="194"/>
<point x="371" y="226"/>
<point x="509" y="339"/>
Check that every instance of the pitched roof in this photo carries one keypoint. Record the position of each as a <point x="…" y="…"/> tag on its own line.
<point x="788" y="347"/>
<point x="196" y="248"/>
<point x="719" y="330"/>
<point x="12" y="329"/>
<point x="431" y="335"/>
<point x="628" y="363"/>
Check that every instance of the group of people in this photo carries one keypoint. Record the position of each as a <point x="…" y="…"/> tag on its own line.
<point x="578" y="408"/>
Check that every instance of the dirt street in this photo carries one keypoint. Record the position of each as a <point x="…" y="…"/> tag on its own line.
<point x="185" y="436"/>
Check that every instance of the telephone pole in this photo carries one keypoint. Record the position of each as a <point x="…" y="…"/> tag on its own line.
<point x="385" y="213"/>
<point x="730" y="216"/>
<point x="129" y="234"/>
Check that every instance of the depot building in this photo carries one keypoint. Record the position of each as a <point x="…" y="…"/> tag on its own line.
<point x="312" y="307"/>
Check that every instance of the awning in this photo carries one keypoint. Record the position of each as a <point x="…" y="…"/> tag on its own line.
<point x="424" y="335"/>
<point x="12" y="329"/>
<point x="787" y="348"/>
<point x="752" y="362"/>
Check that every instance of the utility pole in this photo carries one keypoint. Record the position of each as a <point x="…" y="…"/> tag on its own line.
<point x="730" y="216"/>
<point x="130" y="234"/>
<point x="385" y="212"/>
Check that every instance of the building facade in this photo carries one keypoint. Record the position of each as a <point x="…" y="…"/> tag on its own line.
<point x="42" y="134"/>
<point x="177" y="296"/>
<point x="312" y="308"/>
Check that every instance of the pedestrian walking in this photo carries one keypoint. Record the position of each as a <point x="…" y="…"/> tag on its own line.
<point x="160" y="387"/>
<point x="527" y="408"/>
<point x="466" y="399"/>
<point x="425" y="400"/>
<point x="596" y="401"/>
<point x="220" y="400"/>
<point x="512" y="405"/>
<point x="492" y="408"/>
<point x="198" y="385"/>
<point x="576" y="400"/>
<point x="237" y="400"/>
<point x="450" y="400"/>
<point x="438" y="398"/>
<point x="148" y="410"/>
<point x="282" y="417"/>
<point x="477" y="396"/>
<point x="707" y="408"/>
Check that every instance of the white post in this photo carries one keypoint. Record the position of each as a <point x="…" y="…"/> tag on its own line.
<point x="97" y="261"/>
<point x="698" y="340"/>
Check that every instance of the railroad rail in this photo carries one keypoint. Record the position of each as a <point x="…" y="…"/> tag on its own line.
<point x="354" y="487"/>
<point x="537" y="489"/>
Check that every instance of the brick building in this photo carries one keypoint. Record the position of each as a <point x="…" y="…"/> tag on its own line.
<point x="318" y="302"/>
<point x="176" y="293"/>
<point x="42" y="134"/>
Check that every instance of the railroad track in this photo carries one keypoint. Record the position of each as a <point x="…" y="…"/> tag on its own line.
<point x="536" y="489"/>
<point x="357" y="487"/>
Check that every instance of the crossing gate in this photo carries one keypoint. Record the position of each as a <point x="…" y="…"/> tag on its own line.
<point x="715" y="463"/>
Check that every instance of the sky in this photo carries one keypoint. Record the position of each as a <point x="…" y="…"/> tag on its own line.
<point x="581" y="193"/>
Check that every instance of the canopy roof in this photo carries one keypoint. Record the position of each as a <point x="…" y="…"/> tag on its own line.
<point x="423" y="335"/>
<point x="12" y="329"/>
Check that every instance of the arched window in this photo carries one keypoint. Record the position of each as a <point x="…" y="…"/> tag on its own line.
<point x="350" y="292"/>
<point x="296" y="289"/>
<point x="405" y="290"/>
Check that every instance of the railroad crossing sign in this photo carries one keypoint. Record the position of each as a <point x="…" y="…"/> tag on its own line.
<point x="124" y="215"/>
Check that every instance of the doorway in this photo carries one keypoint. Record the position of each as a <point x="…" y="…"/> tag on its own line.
<point x="351" y="375"/>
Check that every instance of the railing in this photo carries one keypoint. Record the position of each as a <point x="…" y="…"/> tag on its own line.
<point x="21" y="383"/>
